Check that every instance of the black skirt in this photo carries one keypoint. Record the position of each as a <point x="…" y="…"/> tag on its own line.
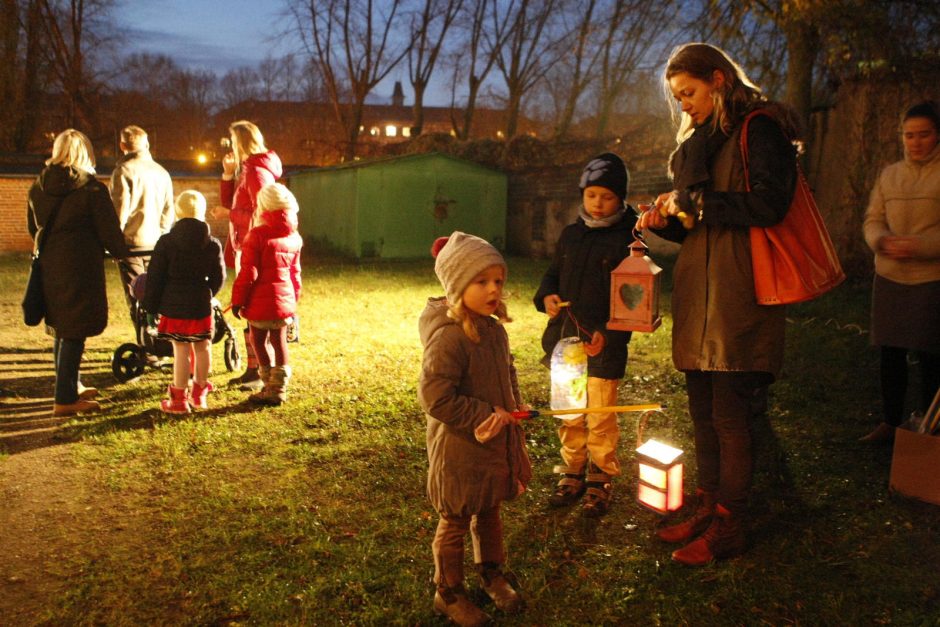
<point x="906" y="316"/>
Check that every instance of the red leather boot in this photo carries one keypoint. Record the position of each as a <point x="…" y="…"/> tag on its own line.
<point x="695" y="524"/>
<point x="724" y="538"/>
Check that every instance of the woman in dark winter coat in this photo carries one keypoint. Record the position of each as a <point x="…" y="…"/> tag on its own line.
<point x="72" y="261"/>
<point x="729" y="347"/>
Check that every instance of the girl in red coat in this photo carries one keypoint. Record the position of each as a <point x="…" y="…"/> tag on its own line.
<point x="249" y="167"/>
<point x="267" y="288"/>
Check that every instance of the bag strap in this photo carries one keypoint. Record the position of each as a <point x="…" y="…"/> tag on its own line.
<point x="41" y="233"/>
<point x="743" y="142"/>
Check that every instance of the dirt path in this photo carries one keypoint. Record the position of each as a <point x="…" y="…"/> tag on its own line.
<point x="53" y="515"/>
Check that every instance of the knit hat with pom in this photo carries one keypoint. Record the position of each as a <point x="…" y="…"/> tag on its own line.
<point x="608" y="171"/>
<point x="276" y="197"/>
<point x="459" y="259"/>
<point x="191" y="204"/>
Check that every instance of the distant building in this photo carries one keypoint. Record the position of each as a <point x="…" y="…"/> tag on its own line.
<point x="306" y="133"/>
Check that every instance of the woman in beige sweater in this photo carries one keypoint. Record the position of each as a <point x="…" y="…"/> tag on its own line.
<point x="902" y="227"/>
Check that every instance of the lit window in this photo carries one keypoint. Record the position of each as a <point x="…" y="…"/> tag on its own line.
<point x="406" y="131"/>
<point x="391" y="130"/>
<point x="374" y="131"/>
<point x="500" y="134"/>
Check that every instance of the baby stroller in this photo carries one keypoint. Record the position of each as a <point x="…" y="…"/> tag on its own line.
<point x="131" y="359"/>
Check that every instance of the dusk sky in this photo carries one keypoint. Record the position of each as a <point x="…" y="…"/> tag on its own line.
<point x="219" y="35"/>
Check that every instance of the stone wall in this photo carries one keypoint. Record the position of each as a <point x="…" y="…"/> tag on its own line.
<point x="14" y="191"/>
<point x="542" y="201"/>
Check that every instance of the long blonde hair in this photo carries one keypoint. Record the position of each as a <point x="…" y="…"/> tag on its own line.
<point x="247" y="140"/>
<point x="72" y="148"/>
<point x="468" y="320"/>
<point x="735" y="96"/>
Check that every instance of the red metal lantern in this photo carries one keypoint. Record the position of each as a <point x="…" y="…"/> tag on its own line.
<point x="634" y="291"/>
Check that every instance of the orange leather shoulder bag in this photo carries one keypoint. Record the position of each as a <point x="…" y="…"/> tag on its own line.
<point x="793" y="260"/>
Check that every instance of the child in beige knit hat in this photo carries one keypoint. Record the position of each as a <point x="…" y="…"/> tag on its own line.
<point x="476" y="448"/>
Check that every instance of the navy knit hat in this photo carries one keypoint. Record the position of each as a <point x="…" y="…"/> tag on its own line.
<point x="608" y="171"/>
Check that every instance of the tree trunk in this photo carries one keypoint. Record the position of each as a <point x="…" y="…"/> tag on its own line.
<point x="32" y="95"/>
<point x="468" y="112"/>
<point x="352" y="132"/>
<point x="802" y="49"/>
<point x="512" y="113"/>
<point x="9" y="42"/>
<point x="417" y="124"/>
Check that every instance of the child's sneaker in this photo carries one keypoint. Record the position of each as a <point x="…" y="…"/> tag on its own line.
<point x="570" y="487"/>
<point x="598" y="493"/>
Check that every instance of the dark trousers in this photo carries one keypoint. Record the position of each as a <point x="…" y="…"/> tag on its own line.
<point x="894" y="381"/>
<point x="68" y="357"/>
<point x="723" y="406"/>
<point x="130" y="268"/>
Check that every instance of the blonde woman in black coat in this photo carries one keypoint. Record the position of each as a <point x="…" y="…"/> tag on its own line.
<point x="72" y="259"/>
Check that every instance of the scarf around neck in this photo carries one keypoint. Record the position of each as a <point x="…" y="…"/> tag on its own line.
<point x="595" y="223"/>
<point x="692" y="161"/>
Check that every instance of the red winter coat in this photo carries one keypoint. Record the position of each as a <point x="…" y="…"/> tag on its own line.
<point x="240" y="195"/>
<point x="268" y="285"/>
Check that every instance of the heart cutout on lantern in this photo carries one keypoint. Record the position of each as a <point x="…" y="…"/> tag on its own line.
<point x="631" y="295"/>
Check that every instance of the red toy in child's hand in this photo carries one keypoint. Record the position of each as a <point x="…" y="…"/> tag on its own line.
<point x="596" y="345"/>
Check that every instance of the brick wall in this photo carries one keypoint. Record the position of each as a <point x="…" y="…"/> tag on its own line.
<point x="13" y="235"/>
<point x="14" y="190"/>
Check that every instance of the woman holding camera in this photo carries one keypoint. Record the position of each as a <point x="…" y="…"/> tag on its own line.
<point x="245" y="170"/>
<point x="902" y="227"/>
<point x="729" y="347"/>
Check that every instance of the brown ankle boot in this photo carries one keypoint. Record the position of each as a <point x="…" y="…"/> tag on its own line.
<point x="454" y="604"/>
<point x="694" y="525"/>
<point x="499" y="587"/>
<point x="724" y="538"/>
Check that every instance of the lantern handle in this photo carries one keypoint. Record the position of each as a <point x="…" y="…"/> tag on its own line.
<point x="641" y="424"/>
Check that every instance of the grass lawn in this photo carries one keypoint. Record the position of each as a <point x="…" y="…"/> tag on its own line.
<point x="315" y="513"/>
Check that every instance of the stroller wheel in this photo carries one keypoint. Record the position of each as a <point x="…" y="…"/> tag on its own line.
<point x="128" y="362"/>
<point x="233" y="360"/>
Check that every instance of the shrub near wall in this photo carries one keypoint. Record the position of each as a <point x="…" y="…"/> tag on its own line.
<point x="14" y="191"/>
